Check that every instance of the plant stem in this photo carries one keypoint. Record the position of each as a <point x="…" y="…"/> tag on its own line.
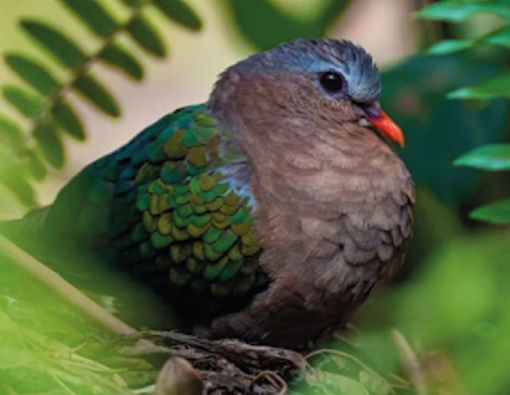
<point x="68" y="292"/>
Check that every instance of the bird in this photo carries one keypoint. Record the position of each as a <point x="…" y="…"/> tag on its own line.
<point x="268" y="213"/>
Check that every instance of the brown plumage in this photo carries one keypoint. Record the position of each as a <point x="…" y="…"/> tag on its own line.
<point x="334" y="210"/>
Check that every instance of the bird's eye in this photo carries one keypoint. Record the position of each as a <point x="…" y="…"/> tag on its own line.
<point x="331" y="82"/>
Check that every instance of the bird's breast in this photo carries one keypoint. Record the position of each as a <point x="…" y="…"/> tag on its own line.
<point x="326" y="220"/>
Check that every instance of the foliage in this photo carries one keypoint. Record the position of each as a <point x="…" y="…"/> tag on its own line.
<point x="47" y="346"/>
<point x="452" y="102"/>
<point x="279" y="26"/>
<point x="490" y="157"/>
<point x="456" y="305"/>
<point x="438" y="129"/>
<point x="457" y="301"/>
<point x="43" y="100"/>
<point x="495" y="157"/>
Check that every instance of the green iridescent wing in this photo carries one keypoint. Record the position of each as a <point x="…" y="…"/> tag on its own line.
<point x="175" y="213"/>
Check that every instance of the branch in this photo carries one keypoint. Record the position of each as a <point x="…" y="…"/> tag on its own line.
<point x="61" y="287"/>
<point x="225" y="366"/>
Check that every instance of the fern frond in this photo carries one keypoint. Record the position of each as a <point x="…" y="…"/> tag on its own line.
<point x="26" y="154"/>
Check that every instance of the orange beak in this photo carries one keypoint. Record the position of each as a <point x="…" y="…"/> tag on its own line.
<point x="377" y="117"/>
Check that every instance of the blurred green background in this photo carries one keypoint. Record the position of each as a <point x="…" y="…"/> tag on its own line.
<point x="453" y="294"/>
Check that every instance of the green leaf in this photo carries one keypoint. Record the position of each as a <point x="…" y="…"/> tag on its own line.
<point x="265" y="25"/>
<point x="498" y="86"/>
<point x="15" y="357"/>
<point x="97" y="19"/>
<point x="414" y="96"/>
<point x="119" y="58"/>
<point x="491" y="157"/>
<point x="444" y="47"/>
<point x="26" y="103"/>
<point x="33" y="73"/>
<point x="68" y="120"/>
<point x="15" y="178"/>
<point x="499" y="37"/>
<point x="457" y="11"/>
<point x="179" y="12"/>
<point x="11" y="134"/>
<point x="36" y="166"/>
<point x="495" y="213"/>
<point x="278" y="26"/>
<point x="62" y="48"/>
<point x="49" y="142"/>
<point x="97" y="94"/>
<point x="147" y="37"/>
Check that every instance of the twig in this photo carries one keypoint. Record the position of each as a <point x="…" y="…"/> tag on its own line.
<point x="68" y="292"/>
<point x="61" y="384"/>
<point x="275" y="380"/>
<point x="232" y="349"/>
<point x="226" y="366"/>
<point x="410" y="362"/>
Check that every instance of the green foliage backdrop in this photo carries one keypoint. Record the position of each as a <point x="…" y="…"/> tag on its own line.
<point x="26" y="155"/>
<point x="491" y="157"/>
<point x="452" y="301"/>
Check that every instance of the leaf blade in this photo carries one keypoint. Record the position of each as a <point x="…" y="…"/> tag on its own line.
<point x="492" y="157"/>
<point x="50" y="144"/>
<point x="497" y="213"/>
<point x="36" y="166"/>
<point x="33" y="74"/>
<point x="27" y="104"/>
<point x="117" y="57"/>
<point x="10" y="133"/>
<point x="488" y="89"/>
<point x="179" y="12"/>
<point x="94" y="15"/>
<point x="67" y="118"/>
<point x="146" y="36"/>
<point x="499" y="37"/>
<point x="15" y="179"/>
<point x="63" y="49"/>
<point x="458" y="11"/>
<point x="445" y="47"/>
<point x="97" y="94"/>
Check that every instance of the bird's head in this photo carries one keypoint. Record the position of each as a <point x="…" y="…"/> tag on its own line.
<point x="301" y="86"/>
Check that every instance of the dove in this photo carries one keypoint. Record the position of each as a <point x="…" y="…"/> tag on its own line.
<point x="268" y="213"/>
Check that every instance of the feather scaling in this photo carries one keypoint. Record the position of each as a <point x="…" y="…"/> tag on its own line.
<point x="168" y="208"/>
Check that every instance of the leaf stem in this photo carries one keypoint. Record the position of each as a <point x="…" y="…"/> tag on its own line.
<point x="64" y="289"/>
